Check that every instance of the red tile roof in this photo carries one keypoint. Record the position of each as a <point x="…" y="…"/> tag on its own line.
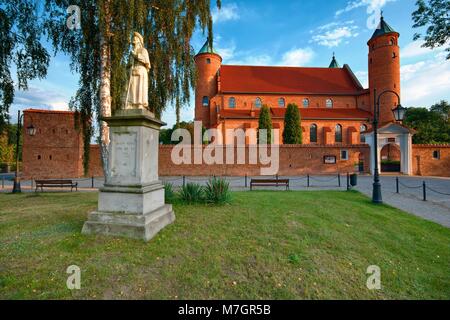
<point x="288" y="80"/>
<point x="307" y="114"/>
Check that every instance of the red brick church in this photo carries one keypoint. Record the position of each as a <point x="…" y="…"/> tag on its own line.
<point x="334" y="106"/>
<point x="336" y="113"/>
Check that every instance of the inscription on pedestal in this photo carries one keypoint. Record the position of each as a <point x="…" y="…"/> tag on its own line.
<point x="124" y="155"/>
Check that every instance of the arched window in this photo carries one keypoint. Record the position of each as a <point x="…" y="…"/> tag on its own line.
<point x="362" y="129"/>
<point x="205" y="101"/>
<point x="313" y="133"/>
<point x="208" y="61"/>
<point x="232" y="102"/>
<point x="258" y="103"/>
<point x="338" y="133"/>
<point x="306" y="102"/>
<point x="281" y="102"/>
<point x="329" y="103"/>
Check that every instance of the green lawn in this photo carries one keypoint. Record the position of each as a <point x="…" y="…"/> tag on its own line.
<point x="265" y="245"/>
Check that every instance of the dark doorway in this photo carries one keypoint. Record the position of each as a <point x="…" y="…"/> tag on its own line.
<point x="390" y="158"/>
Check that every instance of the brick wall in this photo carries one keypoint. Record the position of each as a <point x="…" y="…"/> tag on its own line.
<point x="95" y="162"/>
<point x="424" y="164"/>
<point x="294" y="160"/>
<point x="55" y="151"/>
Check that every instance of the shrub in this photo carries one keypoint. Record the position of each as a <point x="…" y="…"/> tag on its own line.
<point x="265" y="123"/>
<point x="191" y="193"/>
<point x="217" y="191"/>
<point x="169" y="194"/>
<point x="292" y="133"/>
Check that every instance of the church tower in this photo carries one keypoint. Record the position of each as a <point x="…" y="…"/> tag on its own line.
<point x="208" y="63"/>
<point x="334" y="64"/>
<point x="384" y="68"/>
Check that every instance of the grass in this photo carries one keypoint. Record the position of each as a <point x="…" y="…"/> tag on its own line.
<point x="264" y="245"/>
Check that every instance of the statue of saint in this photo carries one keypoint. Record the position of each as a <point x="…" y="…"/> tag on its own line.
<point x="137" y="94"/>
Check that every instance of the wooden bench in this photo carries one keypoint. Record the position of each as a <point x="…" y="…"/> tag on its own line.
<point x="269" y="183"/>
<point x="56" y="184"/>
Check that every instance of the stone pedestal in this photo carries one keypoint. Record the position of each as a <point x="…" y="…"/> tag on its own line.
<point x="131" y="204"/>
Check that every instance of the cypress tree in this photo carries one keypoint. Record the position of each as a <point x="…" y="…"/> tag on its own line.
<point x="265" y="122"/>
<point x="292" y="133"/>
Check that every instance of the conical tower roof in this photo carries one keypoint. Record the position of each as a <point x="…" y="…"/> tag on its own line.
<point x="207" y="48"/>
<point x="383" y="28"/>
<point x="334" y="63"/>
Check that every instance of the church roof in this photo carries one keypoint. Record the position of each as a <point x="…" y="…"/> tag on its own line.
<point x="334" y="63"/>
<point x="207" y="48"/>
<point x="288" y="80"/>
<point x="306" y="114"/>
<point x="383" y="28"/>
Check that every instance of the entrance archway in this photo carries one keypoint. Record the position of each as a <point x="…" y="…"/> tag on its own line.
<point x="391" y="158"/>
<point x="400" y="138"/>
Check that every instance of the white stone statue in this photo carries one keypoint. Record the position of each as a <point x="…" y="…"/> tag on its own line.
<point x="137" y="94"/>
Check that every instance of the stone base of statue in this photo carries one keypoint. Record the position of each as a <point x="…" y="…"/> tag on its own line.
<point x="131" y="204"/>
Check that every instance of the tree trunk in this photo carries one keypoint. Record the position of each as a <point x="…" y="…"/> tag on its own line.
<point x="105" y="86"/>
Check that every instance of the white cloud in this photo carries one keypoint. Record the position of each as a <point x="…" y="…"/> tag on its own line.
<point x="333" y="34"/>
<point x="227" y="53"/>
<point x="422" y="83"/>
<point x="297" y="57"/>
<point x="39" y="98"/>
<point x="426" y="82"/>
<point x="228" y="12"/>
<point x="372" y="5"/>
<point x="363" y="77"/>
<point x="415" y="49"/>
<point x="252" y="60"/>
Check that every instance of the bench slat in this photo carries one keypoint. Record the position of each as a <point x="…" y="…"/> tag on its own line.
<point x="269" y="183"/>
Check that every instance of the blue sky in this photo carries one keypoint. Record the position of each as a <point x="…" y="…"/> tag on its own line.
<point x="294" y="33"/>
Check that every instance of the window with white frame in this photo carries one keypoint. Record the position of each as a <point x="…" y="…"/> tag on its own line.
<point x="306" y="103"/>
<point x="329" y="103"/>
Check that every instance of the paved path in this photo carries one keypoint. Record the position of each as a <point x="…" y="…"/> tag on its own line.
<point x="410" y="198"/>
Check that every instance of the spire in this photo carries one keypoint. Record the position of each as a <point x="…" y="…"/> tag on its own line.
<point x="383" y="28"/>
<point x="207" y="48"/>
<point x="334" y="63"/>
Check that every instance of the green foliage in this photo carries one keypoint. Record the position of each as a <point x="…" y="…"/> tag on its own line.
<point x="217" y="191"/>
<point x="292" y="133"/>
<point x="165" y="135"/>
<point x="191" y="193"/>
<point x="442" y="108"/>
<point x="167" y="28"/>
<point x="434" y="15"/>
<point x="169" y="193"/>
<point x="265" y="122"/>
<point x="396" y="162"/>
<point x="7" y="150"/>
<point x="294" y="259"/>
<point x="21" y="49"/>
<point x="432" y="125"/>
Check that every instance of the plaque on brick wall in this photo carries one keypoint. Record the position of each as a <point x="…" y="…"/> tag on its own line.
<point x="124" y="148"/>
<point x="329" y="159"/>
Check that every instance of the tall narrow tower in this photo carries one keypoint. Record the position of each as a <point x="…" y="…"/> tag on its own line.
<point x="384" y="68"/>
<point x="208" y="63"/>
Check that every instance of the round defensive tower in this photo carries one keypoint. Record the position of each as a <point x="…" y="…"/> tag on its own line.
<point x="208" y="64"/>
<point x="384" y="68"/>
